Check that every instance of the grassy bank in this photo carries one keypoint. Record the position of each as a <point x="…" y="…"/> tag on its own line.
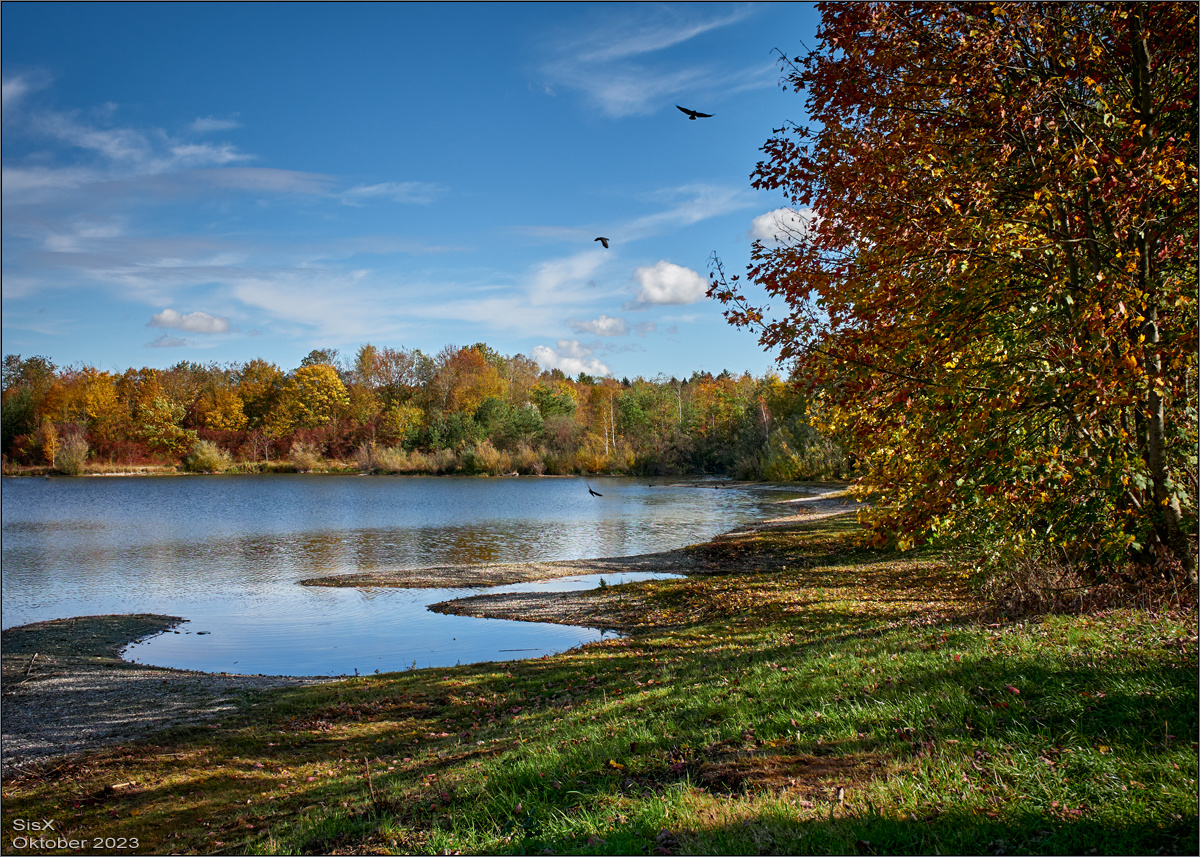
<point x="806" y="696"/>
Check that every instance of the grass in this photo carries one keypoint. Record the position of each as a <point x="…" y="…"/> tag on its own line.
<point x="808" y="697"/>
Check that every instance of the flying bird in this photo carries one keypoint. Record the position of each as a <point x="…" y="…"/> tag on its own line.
<point x="693" y="114"/>
<point x="594" y="493"/>
<point x="603" y="241"/>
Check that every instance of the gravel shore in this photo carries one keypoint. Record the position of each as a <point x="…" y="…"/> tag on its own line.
<point x="66" y="689"/>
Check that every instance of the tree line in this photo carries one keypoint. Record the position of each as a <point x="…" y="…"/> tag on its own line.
<point x="465" y="409"/>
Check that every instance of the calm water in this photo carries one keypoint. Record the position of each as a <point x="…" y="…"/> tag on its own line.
<point x="225" y="552"/>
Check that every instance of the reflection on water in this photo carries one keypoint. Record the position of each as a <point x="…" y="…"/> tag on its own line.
<point x="226" y="552"/>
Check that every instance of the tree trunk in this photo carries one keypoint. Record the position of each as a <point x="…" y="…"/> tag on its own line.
<point x="1166" y="513"/>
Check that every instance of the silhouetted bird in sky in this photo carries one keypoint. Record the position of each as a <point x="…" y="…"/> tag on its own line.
<point x="594" y="493"/>
<point x="693" y="114"/>
<point x="603" y="241"/>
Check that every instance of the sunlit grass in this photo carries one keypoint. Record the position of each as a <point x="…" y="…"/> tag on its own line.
<point x="809" y="697"/>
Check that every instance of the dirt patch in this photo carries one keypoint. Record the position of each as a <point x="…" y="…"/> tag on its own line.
<point x="812" y="775"/>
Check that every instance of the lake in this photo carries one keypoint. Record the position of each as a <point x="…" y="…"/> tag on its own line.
<point x="226" y="552"/>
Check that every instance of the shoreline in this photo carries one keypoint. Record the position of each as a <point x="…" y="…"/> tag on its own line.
<point x="66" y="690"/>
<point x="675" y="561"/>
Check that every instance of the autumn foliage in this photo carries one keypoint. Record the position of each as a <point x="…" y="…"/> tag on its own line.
<point x="397" y="410"/>
<point x="995" y="292"/>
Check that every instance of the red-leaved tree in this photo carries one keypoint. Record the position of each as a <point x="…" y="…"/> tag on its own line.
<point x="995" y="291"/>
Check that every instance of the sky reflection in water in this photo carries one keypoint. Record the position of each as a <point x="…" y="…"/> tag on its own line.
<point x="226" y="552"/>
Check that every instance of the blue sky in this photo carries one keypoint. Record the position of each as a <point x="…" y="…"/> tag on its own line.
<point x="219" y="182"/>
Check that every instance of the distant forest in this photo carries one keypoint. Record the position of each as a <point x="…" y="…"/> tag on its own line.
<point x="465" y="410"/>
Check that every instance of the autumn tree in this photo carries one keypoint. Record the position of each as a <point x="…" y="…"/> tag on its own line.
<point x="259" y="384"/>
<point x="219" y="408"/>
<point x="990" y="271"/>
<point x="26" y="383"/>
<point x="313" y="396"/>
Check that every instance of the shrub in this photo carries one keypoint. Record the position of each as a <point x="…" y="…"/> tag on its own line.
<point x="527" y="461"/>
<point x="483" y="457"/>
<point x="207" y="457"/>
<point x="443" y="461"/>
<point x="304" y="457"/>
<point x="392" y="460"/>
<point x="419" y="462"/>
<point x="364" y="457"/>
<point x="72" y="454"/>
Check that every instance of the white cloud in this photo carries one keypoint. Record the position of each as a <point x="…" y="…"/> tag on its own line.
<point x="206" y="124"/>
<point x="570" y="357"/>
<point x="417" y="192"/>
<point x="602" y="326"/>
<point x="778" y="226"/>
<point x="668" y="283"/>
<point x="193" y="322"/>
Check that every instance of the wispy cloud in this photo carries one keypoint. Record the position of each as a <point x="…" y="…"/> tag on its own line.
<point x="408" y="192"/>
<point x="208" y="124"/>
<point x="16" y="88"/>
<point x="168" y="341"/>
<point x="602" y="326"/>
<point x="619" y="63"/>
<point x="690" y="204"/>
<point x="664" y="28"/>
<point x="560" y="281"/>
<point x="265" y="180"/>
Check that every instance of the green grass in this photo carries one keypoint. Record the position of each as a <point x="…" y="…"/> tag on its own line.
<point x="811" y="697"/>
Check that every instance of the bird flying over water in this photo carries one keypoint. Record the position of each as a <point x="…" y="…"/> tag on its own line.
<point x="603" y="241"/>
<point x="693" y="114"/>
<point x="594" y="493"/>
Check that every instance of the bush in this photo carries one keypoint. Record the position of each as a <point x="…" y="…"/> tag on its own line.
<point x="443" y="461"/>
<point x="393" y="460"/>
<point x="364" y="457"/>
<point x="483" y="457"/>
<point x="304" y="457"/>
<point x="207" y="457"/>
<point x="72" y="455"/>
<point x="527" y="461"/>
